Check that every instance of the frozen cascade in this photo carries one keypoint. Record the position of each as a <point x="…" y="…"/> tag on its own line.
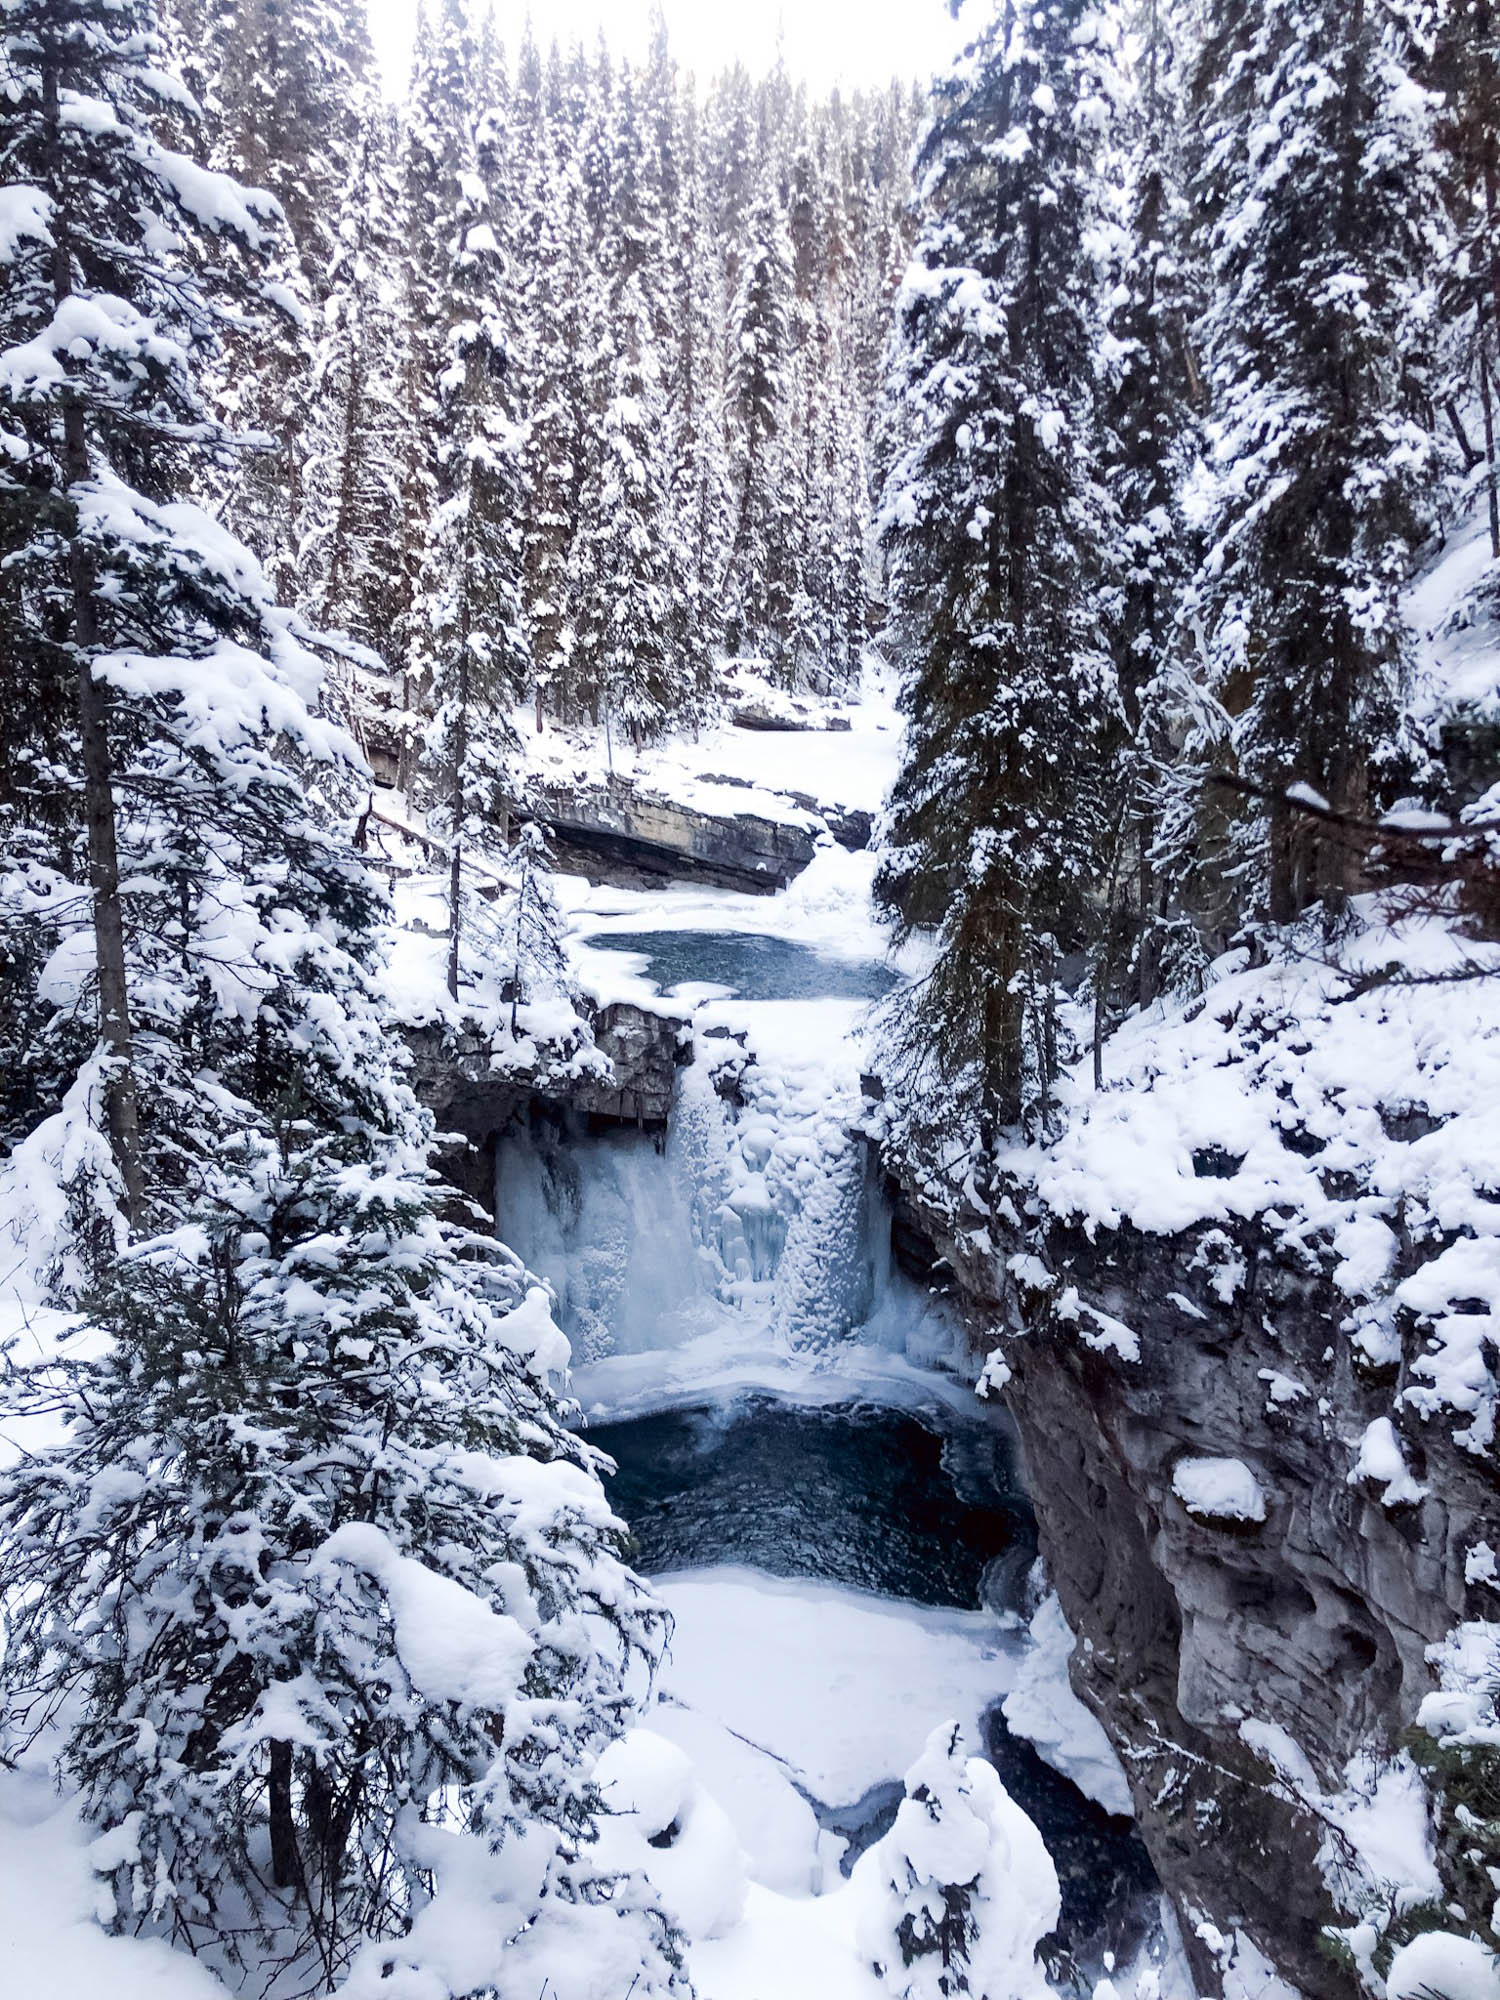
<point x="758" y="1204"/>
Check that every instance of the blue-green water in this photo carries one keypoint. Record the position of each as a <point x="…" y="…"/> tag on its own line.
<point x="854" y="1494"/>
<point x="754" y="968"/>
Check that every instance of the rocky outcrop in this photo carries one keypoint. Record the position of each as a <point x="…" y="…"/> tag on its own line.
<point x="622" y="834"/>
<point x="1125" y="1357"/>
<point x="455" y="1076"/>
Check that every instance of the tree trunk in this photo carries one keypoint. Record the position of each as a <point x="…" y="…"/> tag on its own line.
<point x="285" y="1870"/>
<point x="1486" y="404"/>
<point x="1283" y="891"/>
<point x="460" y="763"/>
<point x="455" y="913"/>
<point x="93" y="719"/>
<point x="1149" y="966"/>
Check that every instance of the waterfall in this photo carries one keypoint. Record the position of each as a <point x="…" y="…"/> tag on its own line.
<point x="757" y="1207"/>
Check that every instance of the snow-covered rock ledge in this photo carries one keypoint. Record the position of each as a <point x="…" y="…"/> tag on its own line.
<point x="618" y="832"/>
<point x="1244" y="1312"/>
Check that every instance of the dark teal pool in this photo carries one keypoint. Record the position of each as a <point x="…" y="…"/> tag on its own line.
<point x="754" y="968"/>
<point x="855" y="1494"/>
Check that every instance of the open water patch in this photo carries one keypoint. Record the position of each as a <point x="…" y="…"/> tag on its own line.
<point x="856" y="1494"/>
<point x="750" y="966"/>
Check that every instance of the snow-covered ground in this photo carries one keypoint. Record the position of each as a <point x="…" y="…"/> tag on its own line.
<point x="724" y="769"/>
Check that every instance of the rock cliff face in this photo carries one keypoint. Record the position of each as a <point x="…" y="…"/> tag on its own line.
<point x="456" y="1080"/>
<point x="1316" y="1619"/>
<point x="618" y="833"/>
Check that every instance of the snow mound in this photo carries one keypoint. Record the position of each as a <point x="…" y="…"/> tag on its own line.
<point x="1439" y="1966"/>
<point x="1219" y="1489"/>
<point x="960" y="1843"/>
<point x="662" y="1821"/>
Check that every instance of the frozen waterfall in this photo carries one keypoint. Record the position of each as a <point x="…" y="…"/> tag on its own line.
<point x="759" y="1205"/>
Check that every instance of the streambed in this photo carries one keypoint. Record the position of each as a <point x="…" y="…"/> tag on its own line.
<point x="915" y="1510"/>
<point x="845" y="1574"/>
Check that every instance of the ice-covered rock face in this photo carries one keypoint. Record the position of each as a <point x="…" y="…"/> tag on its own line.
<point x="757" y="1204"/>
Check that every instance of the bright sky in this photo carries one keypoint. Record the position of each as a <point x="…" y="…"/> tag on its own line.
<point x="853" y="42"/>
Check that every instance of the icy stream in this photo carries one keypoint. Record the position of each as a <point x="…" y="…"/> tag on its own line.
<point x="837" y="1525"/>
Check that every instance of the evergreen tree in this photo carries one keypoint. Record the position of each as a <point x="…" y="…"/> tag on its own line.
<point x="532" y="949"/>
<point x="1320" y="222"/>
<point x="1161" y="882"/>
<point x="997" y="527"/>
<point x="1466" y="69"/>
<point x="349" y="547"/>
<point x="552" y="248"/>
<point x="625" y="664"/>
<point x="291" y="83"/>
<point x="699" y="469"/>
<point x="315" y="1581"/>
<point x="759" y="581"/>
<point x="958" y="1895"/>
<point x="104" y="321"/>
<point x="470" y="648"/>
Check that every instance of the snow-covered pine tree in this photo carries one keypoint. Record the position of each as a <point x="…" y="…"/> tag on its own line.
<point x="998" y="531"/>
<point x="103" y="322"/>
<point x="532" y="952"/>
<point x="1316" y="188"/>
<point x="302" y="1629"/>
<point x="270" y="1600"/>
<point x="349" y="548"/>
<point x="759" y="580"/>
<point x="292" y="86"/>
<point x="552" y="247"/>
<point x="624" y="663"/>
<point x="1466" y="70"/>
<point x="470" y="653"/>
<point x="291" y="83"/>
<point x="1163" y="895"/>
<point x="660" y="174"/>
<point x="699" y="470"/>
<point x="956" y="1898"/>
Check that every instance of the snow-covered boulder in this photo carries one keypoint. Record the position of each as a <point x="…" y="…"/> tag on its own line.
<point x="659" y="1818"/>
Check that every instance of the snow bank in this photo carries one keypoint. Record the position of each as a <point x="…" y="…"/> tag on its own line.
<point x="1043" y="1708"/>
<point x="1336" y="1100"/>
<point x="727" y="770"/>
<point x="51" y="1944"/>
<point x="1439" y="1966"/>
<point x="661" y="1820"/>
<point x="838" y="1686"/>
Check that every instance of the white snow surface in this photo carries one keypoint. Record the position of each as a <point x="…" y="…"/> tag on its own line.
<point x="1338" y="1097"/>
<point x="1043" y="1708"/>
<point x="1381" y="1461"/>
<point x="727" y="770"/>
<point x="1440" y="1966"/>
<point x="51" y="1943"/>
<point x="841" y="1688"/>
<point x="1219" y="1489"/>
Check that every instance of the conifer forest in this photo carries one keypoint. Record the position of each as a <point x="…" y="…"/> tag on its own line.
<point x="750" y="1003"/>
